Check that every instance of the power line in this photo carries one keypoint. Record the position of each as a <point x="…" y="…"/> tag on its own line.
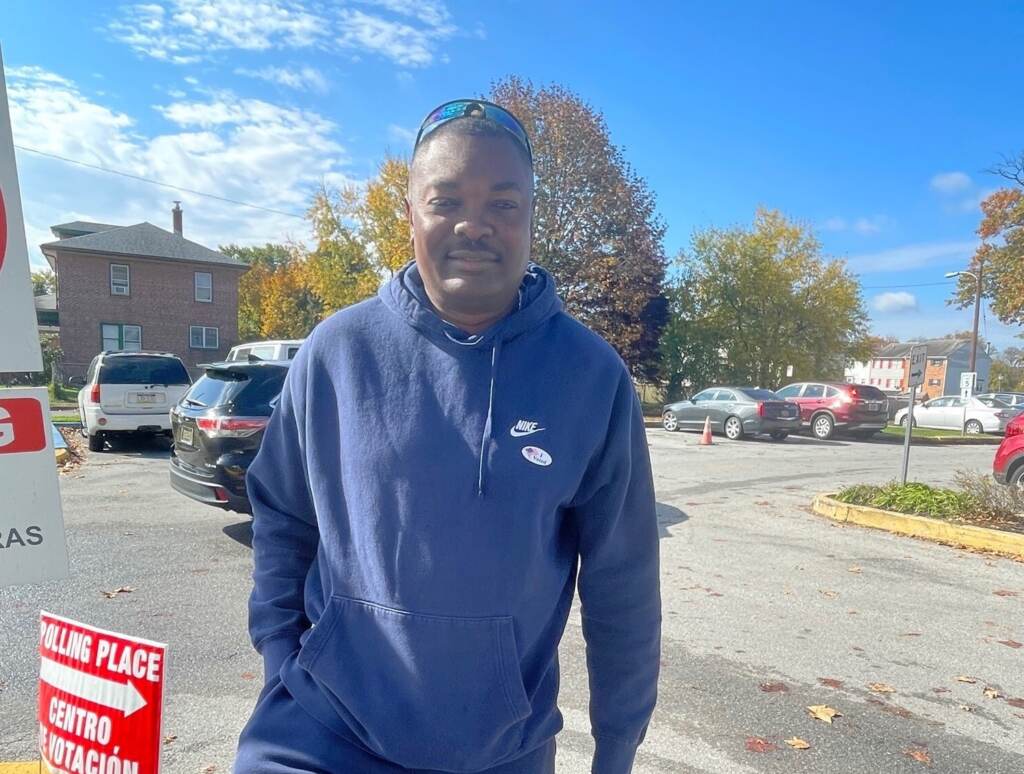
<point x="159" y="182"/>
<point x="912" y="285"/>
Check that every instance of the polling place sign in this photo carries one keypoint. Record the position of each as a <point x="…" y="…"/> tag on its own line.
<point x="32" y="547"/>
<point x="100" y="699"/>
<point x="19" y="339"/>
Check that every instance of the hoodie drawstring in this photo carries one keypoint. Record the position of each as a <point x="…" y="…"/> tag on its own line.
<point x="485" y="442"/>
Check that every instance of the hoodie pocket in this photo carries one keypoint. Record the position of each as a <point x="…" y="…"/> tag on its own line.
<point x="425" y="691"/>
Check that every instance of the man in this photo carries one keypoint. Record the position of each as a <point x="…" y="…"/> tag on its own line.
<point x="442" y="459"/>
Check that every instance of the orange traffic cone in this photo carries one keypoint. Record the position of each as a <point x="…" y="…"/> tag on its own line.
<point x="705" y="437"/>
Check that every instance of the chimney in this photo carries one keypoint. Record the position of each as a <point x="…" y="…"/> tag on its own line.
<point x="176" y="216"/>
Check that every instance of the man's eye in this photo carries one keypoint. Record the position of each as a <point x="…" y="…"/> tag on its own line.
<point x="442" y="202"/>
<point x="506" y="204"/>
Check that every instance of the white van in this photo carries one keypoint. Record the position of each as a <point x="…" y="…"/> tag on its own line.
<point x="279" y="349"/>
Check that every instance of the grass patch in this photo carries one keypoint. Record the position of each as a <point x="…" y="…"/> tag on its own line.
<point x="927" y="432"/>
<point x="977" y="500"/>
<point x="65" y="418"/>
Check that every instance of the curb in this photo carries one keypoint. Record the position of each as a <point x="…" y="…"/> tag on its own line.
<point x="25" y="767"/>
<point x="946" y="440"/>
<point x="925" y="527"/>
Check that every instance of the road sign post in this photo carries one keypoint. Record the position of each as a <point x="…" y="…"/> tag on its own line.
<point x="918" y="358"/>
<point x="967" y="382"/>
<point x="100" y="698"/>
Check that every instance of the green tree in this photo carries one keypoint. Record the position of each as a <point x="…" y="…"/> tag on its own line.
<point x="757" y="300"/>
<point x="595" y="225"/>
<point x="264" y="261"/>
<point x="378" y="210"/>
<point x="43" y="282"/>
<point x="1007" y="372"/>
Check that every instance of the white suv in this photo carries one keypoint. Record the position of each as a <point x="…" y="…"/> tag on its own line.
<point x="130" y="392"/>
<point x="280" y="349"/>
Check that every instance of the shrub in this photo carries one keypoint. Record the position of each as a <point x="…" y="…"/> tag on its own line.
<point x="992" y="500"/>
<point x="915" y="498"/>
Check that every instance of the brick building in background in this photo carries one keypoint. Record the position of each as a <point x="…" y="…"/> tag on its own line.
<point x="142" y="287"/>
<point x="889" y="367"/>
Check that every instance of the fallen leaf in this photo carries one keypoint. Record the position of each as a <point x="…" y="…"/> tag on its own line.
<point x="1005" y="593"/>
<point x="824" y="712"/>
<point x="115" y="592"/>
<point x="940" y="690"/>
<point x="966" y="679"/>
<point x="828" y="594"/>
<point x="830" y="682"/>
<point x="921" y="756"/>
<point x="891" y="709"/>
<point x="774" y="687"/>
<point x="248" y="676"/>
<point x="853" y="569"/>
<point x="1011" y="643"/>
<point x="209" y="770"/>
<point x="759" y="745"/>
<point x="1018" y="703"/>
<point x="992" y="693"/>
<point x="966" y="708"/>
<point x="881" y="688"/>
<point x="798" y="744"/>
<point x="170" y="738"/>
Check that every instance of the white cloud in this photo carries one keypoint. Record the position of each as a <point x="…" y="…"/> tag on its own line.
<point x="188" y="31"/>
<point x="939" y="255"/>
<point x="951" y="182"/>
<point x="834" y="224"/>
<point x="400" y="135"/>
<point x="302" y="79"/>
<point x="245" y="149"/>
<point x="864" y="226"/>
<point x="894" y="303"/>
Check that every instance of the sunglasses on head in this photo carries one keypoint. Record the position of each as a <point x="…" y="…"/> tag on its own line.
<point x="470" y="108"/>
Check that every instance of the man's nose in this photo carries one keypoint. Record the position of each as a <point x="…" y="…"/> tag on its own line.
<point x="473" y="229"/>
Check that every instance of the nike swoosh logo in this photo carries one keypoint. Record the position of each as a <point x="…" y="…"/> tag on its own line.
<point x="521" y="433"/>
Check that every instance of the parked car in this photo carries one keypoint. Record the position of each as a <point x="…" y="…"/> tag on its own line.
<point x="734" y="411"/>
<point x="280" y="349"/>
<point x="827" y="408"/>
<point x="1012" y="399"/>
<point x="218" y="426"/>
<point x="984" y="415"/>
<point x="1008" y="465"/>
<point x="129" y="392"/>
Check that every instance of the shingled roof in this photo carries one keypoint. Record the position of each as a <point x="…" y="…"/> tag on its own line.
<point x="936" y="348"/>
<point x="144" y="240"/>
<point x="79" y="228"/>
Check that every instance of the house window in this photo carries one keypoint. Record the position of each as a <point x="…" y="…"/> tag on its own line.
<point x="204" y="286"/>
<point x="202" y="337"/>
<point x="934" y="382"/>
<point x="118" y="337"/>
<point x="119" y="284"/>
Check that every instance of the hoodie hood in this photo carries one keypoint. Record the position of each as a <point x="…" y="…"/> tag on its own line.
<point x="406" y="296"/>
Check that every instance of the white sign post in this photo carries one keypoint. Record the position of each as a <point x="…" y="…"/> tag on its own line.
<point x="918" y="358"/>
<point x="967" y="381"/>
<point x="19" y="342"/>
<point x="32" y="547"/>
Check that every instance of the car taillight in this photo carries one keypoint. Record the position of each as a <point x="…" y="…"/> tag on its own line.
<point x="760" y="408"/>
<point x="94" y="394"/>
<point x="848" y="397"/>
<point x="231" y="427"/>
<point x="1016" y="427"/>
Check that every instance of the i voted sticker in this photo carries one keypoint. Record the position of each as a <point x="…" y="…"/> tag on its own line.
<point x="537" y="456"/>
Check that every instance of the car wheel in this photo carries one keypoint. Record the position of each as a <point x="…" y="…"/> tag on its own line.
<point x="823" y="427"/>
<point x="734" y="429"/>
<point x="973" y="427"/>
<point x="96" y="442"/>
<point x="780" y="435"/>
<point x="669" y="421"/>
<point x="1016" y="478"/>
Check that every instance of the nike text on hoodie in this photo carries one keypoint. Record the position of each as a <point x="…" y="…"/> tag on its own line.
<point x="423" y="502"/>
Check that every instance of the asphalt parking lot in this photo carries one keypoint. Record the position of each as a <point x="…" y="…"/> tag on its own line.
<point x="756" y="591"/>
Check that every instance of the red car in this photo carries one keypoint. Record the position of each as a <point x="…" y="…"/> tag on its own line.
<point x="830" y="407"/>
<point x="1008" y="466"/>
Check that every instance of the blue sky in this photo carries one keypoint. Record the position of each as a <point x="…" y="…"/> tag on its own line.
<point x="873" y="122"/>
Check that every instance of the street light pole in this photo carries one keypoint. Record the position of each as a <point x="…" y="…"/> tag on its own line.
<point x="977" y="311"/>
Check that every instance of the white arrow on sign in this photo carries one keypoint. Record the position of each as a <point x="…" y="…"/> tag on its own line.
<point x="110" y="693"/>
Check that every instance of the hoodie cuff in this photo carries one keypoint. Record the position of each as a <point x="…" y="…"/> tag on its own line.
<point x="613" y="756"/>
<point x="274" y="652"/>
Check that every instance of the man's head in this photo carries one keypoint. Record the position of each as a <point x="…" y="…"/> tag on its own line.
<point x="470" y="205"/>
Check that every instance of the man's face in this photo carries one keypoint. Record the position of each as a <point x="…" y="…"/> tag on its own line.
<point x="470" y="205"/>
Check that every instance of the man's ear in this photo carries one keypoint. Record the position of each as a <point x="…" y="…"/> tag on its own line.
<point x="408" y="217"/>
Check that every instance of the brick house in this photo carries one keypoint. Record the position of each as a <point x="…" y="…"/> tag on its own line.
<point x="889" y="367"/>
<point x="141" y="287"/>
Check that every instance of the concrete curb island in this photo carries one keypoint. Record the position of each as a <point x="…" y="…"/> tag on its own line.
<point x="925" y="527"/>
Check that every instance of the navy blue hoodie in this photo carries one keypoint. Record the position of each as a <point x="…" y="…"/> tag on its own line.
<point x="422" y="502"/>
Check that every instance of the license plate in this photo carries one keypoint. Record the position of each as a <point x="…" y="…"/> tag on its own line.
<point x="874" y="406"/>
<point x="145" y="397"/>
<point x="187" y="435"/>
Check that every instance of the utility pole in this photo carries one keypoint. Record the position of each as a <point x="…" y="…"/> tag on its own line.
<point x="977" y="309"/>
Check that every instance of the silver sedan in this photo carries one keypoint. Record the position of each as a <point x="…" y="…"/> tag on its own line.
<point x="734" y="411"/>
